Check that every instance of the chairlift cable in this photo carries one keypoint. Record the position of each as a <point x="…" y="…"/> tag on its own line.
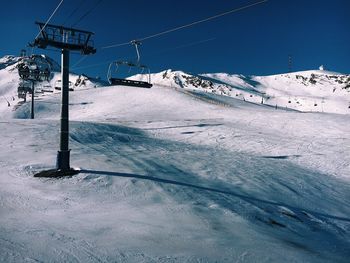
<point x="87" y="13"/>
<point x="93" y="65"/>
<point x="49" y="19"/>
<point x="185" y="45"/>
<point x="79" y="61"/>
<point x="73" y="12"/>
<point x="188" y="25"/>
<point x="147" y="55"/>
<point x="203" y="20"/>
<point x="172" y="30"/>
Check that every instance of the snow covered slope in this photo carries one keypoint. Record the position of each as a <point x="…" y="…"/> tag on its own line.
<point x="307" y="91"/>
<point x="174" y="175"/>
<point x="314" y="90"/>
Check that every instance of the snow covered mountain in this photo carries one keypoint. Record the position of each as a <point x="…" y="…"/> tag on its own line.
<point x="175" y="173"/>
<point x="307" y="91"/>
<point x="8" y="61"/>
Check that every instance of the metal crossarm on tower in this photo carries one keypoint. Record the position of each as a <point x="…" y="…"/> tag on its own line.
<point x="64" y="38"/>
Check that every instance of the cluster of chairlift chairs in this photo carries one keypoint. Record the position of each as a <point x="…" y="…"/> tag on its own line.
<point x="32" y="69"/>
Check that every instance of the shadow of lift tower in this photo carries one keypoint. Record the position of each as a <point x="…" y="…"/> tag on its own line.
<point x="66" y="39"/>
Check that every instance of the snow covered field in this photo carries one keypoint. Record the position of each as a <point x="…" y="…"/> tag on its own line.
<point x="174" y="175"/>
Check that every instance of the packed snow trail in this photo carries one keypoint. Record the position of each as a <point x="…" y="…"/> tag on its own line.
<point x="161" y="198"/>
<point x="167" y="177"/>
<point x="313" y="140"/>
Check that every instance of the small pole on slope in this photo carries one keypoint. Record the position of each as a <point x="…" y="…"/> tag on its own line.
<point x="32" y="104"/>
<point x="289" y="63"/>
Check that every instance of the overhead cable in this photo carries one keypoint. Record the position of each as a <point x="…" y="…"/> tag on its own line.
<point x="73" y="12"/>
<point x="49" y="19"/>
<point x="87" y="13"/>
<point x="188" y="25"/>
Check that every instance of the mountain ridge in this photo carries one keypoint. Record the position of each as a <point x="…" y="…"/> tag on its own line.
<point x="306" y="91"/>
<point x="312" y="90"/>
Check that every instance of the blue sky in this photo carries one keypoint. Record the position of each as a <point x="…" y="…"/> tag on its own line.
<point x="255" y="41"/>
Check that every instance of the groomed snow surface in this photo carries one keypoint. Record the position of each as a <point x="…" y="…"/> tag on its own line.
<point x="174" y="175"/>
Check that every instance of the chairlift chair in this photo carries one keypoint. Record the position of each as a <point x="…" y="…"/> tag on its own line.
<point x="47" y="88"/>
<point x="24" y="87"/>
<point x="58" y="85"/>
<point x="34" y="68"/>
<point x="114" y="66"/>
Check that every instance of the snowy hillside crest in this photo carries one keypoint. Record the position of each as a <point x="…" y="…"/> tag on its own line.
<point x="306" y="91"/>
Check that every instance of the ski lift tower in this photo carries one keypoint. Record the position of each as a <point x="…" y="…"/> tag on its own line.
<point x="67" y="39"/>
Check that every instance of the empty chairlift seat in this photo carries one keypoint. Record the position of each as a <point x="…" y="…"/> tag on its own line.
<point x="115" y="65"/>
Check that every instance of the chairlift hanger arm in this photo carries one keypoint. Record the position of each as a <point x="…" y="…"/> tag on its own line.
<point x="136" y="44"/>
